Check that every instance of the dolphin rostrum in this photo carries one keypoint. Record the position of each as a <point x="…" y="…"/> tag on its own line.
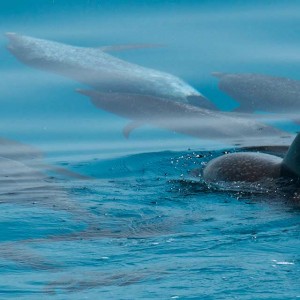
<point x="254" y="167"/>
<point x="261" y="92"/>
<point x="102" y="71"/>
<point x="180" y="117"/>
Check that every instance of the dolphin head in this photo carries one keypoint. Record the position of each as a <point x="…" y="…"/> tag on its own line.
<point x="20" y="46"/>
<point x="31" y="50"/>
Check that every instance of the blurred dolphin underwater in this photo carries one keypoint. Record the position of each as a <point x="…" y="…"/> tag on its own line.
<point x="262" y="92"/>
<point x="113" y="224"/>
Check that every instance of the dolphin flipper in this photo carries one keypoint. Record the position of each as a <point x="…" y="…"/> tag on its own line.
<point x="130" y="126"/>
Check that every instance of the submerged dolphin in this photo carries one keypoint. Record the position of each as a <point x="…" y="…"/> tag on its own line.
<point x="261" y="92"/>
<point x="254" y="167"/>
<point x="100" y="70"/>
<point x="180" y="117"/>
<point x="23" y="171"/>
<point x="31" y="157"/>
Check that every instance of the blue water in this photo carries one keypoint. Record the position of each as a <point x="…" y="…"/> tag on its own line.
<point x="138" y="224"/>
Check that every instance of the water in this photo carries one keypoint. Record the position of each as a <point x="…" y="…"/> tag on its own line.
<point x="88" y="214"/>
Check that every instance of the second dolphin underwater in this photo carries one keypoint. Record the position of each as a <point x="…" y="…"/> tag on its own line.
<point x="261" y="92"/>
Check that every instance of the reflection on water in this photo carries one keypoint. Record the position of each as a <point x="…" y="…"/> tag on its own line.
<point x="101" y="169"/>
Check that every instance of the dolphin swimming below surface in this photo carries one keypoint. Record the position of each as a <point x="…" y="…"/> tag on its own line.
<point x="254" y="167"/>
<point x="183" y="118"/>
<point x="24" y="173"/>
<point x="102" y="71"/>
<point x="261" y="92"/>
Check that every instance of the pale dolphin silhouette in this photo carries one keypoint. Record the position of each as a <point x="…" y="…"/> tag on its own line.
<point x="261" y="92"/>
<point x="102" y="71"/>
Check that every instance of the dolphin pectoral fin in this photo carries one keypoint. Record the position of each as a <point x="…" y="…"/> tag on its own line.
<point x="130" y="127"/>
<point x="128" y="47"/>
<point x="90" y="94"/>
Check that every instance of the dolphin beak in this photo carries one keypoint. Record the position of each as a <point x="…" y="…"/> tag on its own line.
<point x="14" y="40"/>
<point x="11" y="36"/>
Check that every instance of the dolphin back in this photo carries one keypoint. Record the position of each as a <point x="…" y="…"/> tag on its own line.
<point x="291" y="161"/>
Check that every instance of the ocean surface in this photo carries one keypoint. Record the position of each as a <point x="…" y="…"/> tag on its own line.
<point x="89" y="214"/>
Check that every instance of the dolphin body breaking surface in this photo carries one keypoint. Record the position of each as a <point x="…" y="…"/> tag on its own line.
<point x="254" y="167"/>
<point x="261" y="92"/>
<point x="100" y="70"/>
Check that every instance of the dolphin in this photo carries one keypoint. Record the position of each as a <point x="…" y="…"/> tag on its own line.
<point x="102" y="71"/>
<point x="18" y="151"/>
<point x="254" y="167"/>
<point x="31" y="157"/>
<point x="261" y="92"/>
<point x="24" y="177"/>
<point x="180" y="117"/>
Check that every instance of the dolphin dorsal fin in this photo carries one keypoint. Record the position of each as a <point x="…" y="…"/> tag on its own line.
<point x="291" y="161"/>
<point x="128" y="47"/>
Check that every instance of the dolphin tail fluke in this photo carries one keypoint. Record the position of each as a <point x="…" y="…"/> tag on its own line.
<point x="291" y="161"/>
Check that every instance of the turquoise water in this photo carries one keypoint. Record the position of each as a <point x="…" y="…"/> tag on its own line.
<point x="89" y="214"/>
